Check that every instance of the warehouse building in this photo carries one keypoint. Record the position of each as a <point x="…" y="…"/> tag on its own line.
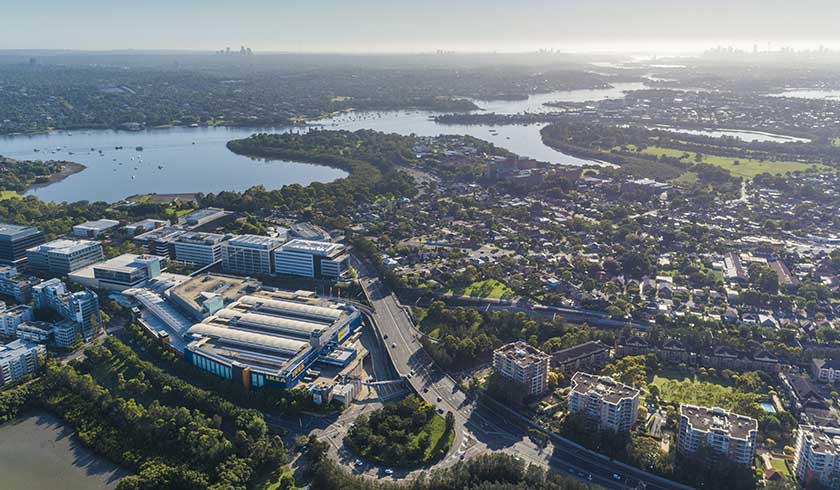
<point x="92" y="229"/>
<point x="272" y="338"/>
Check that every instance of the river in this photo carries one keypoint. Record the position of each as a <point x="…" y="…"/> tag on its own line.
<point x="183" y="160"/>
<point x="39" y="451"/>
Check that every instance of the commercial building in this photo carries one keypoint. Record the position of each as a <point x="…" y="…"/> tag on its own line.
<point x="202" y="217"/>
<point x="81" y="308"/>
<point x="145" y="225"/>
<point x="92" y="229"/>
<point x="523" y="364"/>
<point x="160" y="241"/>
<point x="308" y="231"/>
<point x="589" y="356"/>
<point x="198" y="248"/>
<point x="272" y="338"/>
<point x="15" y="240"/>
<point x="11" y="318"/>
<point x="727" y="434"/>
<point x="206" y="294"/>
<point x="63" y="256"/>
<point x="16" y="285"/>
<point x="606" y="403"/>
<point x="311" y="259"/>
<point x="17" y="359"/>
<point x="120" y="273"/>
<point x="817" y="456"/>
<point x="826" y="370"/>
<point x="249" y="255"/>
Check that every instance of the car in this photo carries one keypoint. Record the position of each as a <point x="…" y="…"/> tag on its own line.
<point x="358" y="462"/>
<point x="439" y="399"/>
<point x="385" y="336"/>
<point x="393" y="345"/>
<point x="389" y="471"/>
<point x="425" y="389"/>
<point x="616" y="476"/>
<point x="440" y="410"/>
<point x="589" y="477"/>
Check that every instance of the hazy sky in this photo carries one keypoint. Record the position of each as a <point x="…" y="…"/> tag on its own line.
<point x="414" y="25"/>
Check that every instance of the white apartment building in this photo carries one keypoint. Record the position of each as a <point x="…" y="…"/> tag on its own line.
<point x="610" y="405"/>
<point x="826" y="370"/>
<point x="817" y="456"/>
<point x="523" y="364"/>
<point x="312" y="259"/>
<point x="11" y="318"/>
<point x="17" y="359"/>
<point x="198" y="248"/>
<point x="727" y="434"/>
<point x="249" y="255"/>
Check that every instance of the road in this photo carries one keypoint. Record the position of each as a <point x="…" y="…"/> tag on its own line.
<point x="478" y="428"/>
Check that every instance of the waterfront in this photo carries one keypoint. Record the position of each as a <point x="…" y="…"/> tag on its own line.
<point x="39" y="451"/>
<point x="184" y="160"/>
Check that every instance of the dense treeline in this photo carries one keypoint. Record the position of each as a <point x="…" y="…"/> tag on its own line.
<point x="13" y="402"/>
<point x="370" y="157"/>
<point x="170" y="433"/>
<point x="496" y="471"/>
<point x="402" y="434"/>
<point x="20" y="175"/>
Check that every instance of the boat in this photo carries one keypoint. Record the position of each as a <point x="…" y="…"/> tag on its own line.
<point x="138" y="148"/>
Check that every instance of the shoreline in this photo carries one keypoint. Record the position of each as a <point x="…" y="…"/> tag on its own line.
<point x="67" y="169"/>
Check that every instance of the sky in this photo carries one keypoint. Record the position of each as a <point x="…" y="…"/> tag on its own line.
<point x="417" y="25"/>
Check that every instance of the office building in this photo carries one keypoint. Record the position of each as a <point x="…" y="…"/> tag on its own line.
<point x="19" y="358"/>
<point x="249" y="255"/>
<point x="92" y="229"/>
<point x="15" y="240"/>
<point x="63" y="256"/>
<point x="10" y="318"/>
<point x="121" y="272"/>
<point x="160" y="241"/>
<point x="308" y="231"/>
<point x="272" y="338"/>
<point x="198" y="248"/>
<point x="81" y="307"/>
<point x="523" y="364"/>
<point x="588" y="356"/>
<point x="608" y="404"/>
<point x="16" y="285"/>
<point x="311" y="259"/>
<point x="727" y="434"/>
<point x="817" y="457"/>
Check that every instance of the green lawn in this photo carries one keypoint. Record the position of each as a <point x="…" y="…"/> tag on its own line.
<point x="780" y="465"/>
<point x="681" y="389"/>
<point x="747" y="168"/>
<point x="436" y="429"/>
<point x="835" y="142"/>
<point x="489" y="288"/>
<point x="8" y="195"/>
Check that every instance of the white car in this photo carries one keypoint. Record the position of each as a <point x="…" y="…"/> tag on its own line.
<point x="393" y="345"/>
<point x="389" y="472"/>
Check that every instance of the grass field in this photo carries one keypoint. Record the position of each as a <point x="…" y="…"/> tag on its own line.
<point x="436" y="429"/>
<point x="835" y="142"/>
<point x="680" y="389"/>
<point x="8" y="195"/>
<point x="747" y="168"/>
<point x="779" y="465"/>
<point x="489" y="288"/>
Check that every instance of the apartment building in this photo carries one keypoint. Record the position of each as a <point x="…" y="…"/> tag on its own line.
<point x="17" y="359"/>
<point x="11" y="318"/>
<point x="826" y="370"/>
<point x="728" y="434"/>
<point x="311" y="259"/>
<point x="16" y="285"/>
<point x="817" y="456"/>
<point x="63" y="256"/>
<point x="249" y="255"/>
<point x="608" y="404"/>
<point x="523" y="364"/>
<point x="81" y="308"/>
<point x="589" y="356"/>
<point x="15" y="240"/>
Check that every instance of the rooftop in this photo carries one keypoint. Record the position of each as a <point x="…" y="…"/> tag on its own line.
<point x="16" y="231"/>
<point x="200" y="238"/>
<point x="606" y="388"/>
<point x="719" y="420"/>
<point x="313" y="247"/>
<point x="822" y="440"/>
<point x="98" y="225"/>
<point x="578" y="351"/>
<point x="14" y="348"/>
<point x="255" y="241"/>
<point x="127" y="262"/>
<point x="64" y="246"/>
<point x="522" y="353"/>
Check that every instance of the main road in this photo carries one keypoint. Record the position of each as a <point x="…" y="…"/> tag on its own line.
<point x="478" y="427"/>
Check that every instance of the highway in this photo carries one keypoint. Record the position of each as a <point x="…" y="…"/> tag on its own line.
<point x="478" y="426"/>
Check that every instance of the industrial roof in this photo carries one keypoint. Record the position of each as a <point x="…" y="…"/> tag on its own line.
<point x="293" y="307"/>
<point x="268" y="321"/>
<point x="268" y="342"/>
